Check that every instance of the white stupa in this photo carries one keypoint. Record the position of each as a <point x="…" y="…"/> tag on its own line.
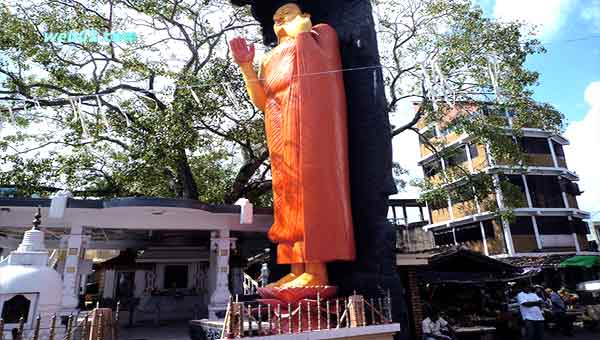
<point x="27" y="285"/>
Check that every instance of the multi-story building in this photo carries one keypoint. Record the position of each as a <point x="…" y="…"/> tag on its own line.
<point x="548" y="220"/>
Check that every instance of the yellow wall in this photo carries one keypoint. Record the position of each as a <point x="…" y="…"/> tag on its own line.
<point x="524" y="243"/>
<point x="539" y="160"/>
<point x="480" y="162"/>
<point x="463" y="209"/>
<point x="474" y="246"/>
<point x="440" y="215"/>
<point x="497" y="246"/>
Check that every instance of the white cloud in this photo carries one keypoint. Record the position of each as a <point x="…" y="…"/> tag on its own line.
<point x="582" y="154"/>
<point x="591" y="14"/>
<point x="547" y="15"/>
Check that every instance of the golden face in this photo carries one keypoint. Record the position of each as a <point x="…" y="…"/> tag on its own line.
<point x="285" y="14"/>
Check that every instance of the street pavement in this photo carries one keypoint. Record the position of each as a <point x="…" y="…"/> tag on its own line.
<point x="179" y="331"/>
<point x="580" y="334"/>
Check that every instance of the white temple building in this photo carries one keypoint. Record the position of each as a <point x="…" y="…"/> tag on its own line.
<point x="28" y="287"/>
<point x="174" y="260"/>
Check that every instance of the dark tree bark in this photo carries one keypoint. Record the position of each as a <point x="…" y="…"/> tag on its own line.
<point x="240" y="187"/>
<point x="185" y="176"/>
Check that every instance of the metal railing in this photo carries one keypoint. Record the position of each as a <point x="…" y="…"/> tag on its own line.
<point x="97" y="324"/>
<point x="248" y="319"/>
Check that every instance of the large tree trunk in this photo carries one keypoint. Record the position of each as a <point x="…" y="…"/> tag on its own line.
<point x="185" y="176"/>
<point x="240" y="185"/>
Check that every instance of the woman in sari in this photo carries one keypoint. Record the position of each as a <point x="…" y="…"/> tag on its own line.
<point x="301" y="92"/>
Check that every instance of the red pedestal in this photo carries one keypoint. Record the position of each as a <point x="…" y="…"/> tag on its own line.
<point x="304" y="313"/>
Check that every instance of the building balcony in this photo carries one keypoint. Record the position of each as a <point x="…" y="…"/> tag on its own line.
<point x="573" y="212"/>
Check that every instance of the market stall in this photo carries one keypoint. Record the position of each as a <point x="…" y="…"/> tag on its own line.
<point x="472" y="292"/>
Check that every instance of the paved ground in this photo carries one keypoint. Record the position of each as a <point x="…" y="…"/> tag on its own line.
<point x="175" y="331"/>
<point x="580" y="334"/>
<point x="179" y="331"/>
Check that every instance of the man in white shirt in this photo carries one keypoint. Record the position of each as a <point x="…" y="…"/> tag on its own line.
<point x="530" y="305"/>
<point x="434" y="326"/>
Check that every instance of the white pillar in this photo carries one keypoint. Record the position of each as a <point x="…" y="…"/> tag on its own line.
<point x="139" y="283"/>
<point x="505" y="225"/>
<point x="484" y="239"/>
<point x="553" y="153"/>
<point x="594" y="232"/>
<point x="108" y="291"/>
<point x="575" y="240"/>
<point x="536" y="231"/>
<point x="527" y="193"/>
<point x="71" y="270"/>
<point x="220" y="246"/>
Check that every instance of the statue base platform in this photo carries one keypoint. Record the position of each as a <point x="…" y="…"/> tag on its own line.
<point x="295" y="294"/>
<point x="298" y="309"/>
<point x="212" y="330"/>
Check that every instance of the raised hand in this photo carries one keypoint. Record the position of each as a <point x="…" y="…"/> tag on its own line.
<point x="242" y="52"/>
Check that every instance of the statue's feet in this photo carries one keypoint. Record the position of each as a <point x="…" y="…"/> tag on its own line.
<point x="306" y="280"/>
<point x="288" y="278"/>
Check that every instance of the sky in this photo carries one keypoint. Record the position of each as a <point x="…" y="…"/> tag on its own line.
<point x="569" y="80"/>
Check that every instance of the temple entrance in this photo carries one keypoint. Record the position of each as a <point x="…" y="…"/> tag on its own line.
<point x="16" y="308"/>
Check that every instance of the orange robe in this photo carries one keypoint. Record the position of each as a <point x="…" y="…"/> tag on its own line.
<point x="305" y="121"/>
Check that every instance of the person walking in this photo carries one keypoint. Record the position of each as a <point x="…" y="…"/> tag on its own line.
<point x="16" y="334"/>
<point x="559" y="312"/>
<point x="530" y="305"/>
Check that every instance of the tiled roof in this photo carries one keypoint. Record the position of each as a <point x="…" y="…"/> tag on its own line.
<point x="544" y="261"/>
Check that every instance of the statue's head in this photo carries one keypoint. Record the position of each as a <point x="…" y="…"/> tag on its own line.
<point x="284" y="18"/>
<point x="266" y="12"/>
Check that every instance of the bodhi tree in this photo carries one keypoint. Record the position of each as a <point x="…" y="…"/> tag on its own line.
<point x="167" y="116"/>
<point x="161" y="116"/>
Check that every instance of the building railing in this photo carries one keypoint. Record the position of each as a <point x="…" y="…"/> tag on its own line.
<point x="53" y="258"/>
<point x="250" y="285"/>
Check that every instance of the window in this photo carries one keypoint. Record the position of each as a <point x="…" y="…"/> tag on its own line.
<point x="15" y="309"/>
<point x="447" y="130"/>
<point x="496" y="112"/>
<point x="176" y="276"/>
<point x="534" y="145"/>
<point x="517" y="181"/>
<point x="522" y="226"/>
<point x="580" y="227"/>
<point x="569" y="187"/>
<point x="474" y="151"/>
<point x="558" y="149"/>
<point x="471" y="232"/>
<point x="554" y="225"/>
<point x="438" y="204"/>
<point x="457" y="157"/>
<point x="488" y="227"/>
<point x="428" y="135"/>
<point x="545" y="192"/>
<point x="443" y="237"/>
<point x="432" y="168"/>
